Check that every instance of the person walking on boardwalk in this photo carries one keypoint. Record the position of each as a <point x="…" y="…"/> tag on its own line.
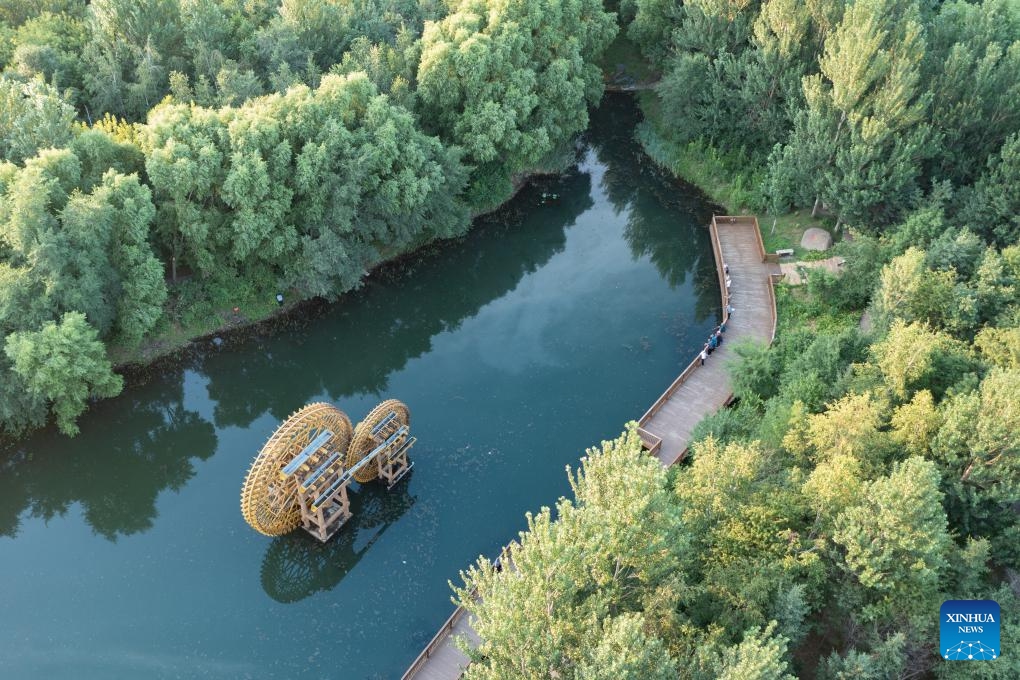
<point x="729" y="309"/>
<point x="703" y="355"/>
<point x="718" y="336"/>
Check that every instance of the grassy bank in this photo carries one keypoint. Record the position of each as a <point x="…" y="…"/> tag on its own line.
<point x="730" y="178"/>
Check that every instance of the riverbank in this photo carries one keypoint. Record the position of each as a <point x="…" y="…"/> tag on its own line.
<point x="729" y="178"/>
<point x="259" y="311"/>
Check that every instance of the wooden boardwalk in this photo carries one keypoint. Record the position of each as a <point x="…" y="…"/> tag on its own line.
<point x="700" y="390"/>
<point x="441" y="660"/>
<point x="666" y="427"/>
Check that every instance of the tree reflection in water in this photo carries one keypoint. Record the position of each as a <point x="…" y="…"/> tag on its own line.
<point x="375" y="331"/>
<point x="633" y="182"/>
<point x="116" y="479"/>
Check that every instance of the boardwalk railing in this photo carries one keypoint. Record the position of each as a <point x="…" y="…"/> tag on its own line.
<point x="434" y="643"/>
<point x="651" y="441"/>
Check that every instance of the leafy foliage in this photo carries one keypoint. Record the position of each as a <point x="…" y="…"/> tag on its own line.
<point x="507" y="81"/>
<point x="64" y="363"/>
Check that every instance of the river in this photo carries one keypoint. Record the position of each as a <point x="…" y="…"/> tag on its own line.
<point x="123" y="553"/>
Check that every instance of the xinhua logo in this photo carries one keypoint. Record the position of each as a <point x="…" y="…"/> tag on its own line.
<point x="969" y="630"/>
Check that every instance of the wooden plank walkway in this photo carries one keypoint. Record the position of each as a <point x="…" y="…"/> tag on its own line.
<point x="666" y="427"/>
<point x="441" y="660"/>
<point x="700" y="390"/>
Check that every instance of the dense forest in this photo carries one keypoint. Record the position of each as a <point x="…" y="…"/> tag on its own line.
<point x="869" y="469"/>
<point x="166" y="160"/>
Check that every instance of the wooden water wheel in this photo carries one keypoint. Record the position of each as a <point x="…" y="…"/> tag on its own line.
<point x="301" y="476"/>
<point x="387" y="425"/>
<point x="269" y="496"/>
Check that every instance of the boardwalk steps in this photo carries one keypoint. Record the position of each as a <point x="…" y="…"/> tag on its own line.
<point x="666" y="426"/>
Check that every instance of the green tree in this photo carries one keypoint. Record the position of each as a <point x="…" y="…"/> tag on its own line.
<point x="140" y="290"/>
<point x="978" y="450"/>
<point x="185" y="150"/>
<point x="508" y="80"/>
<point x="911" y="292"/>
<point x="77" y="251"/>
<point x="761" y="654"/>
<point x="993" y="207"/>
<point x="748" y="65"/>
<point x="915" y="423"/>
<point x="33" y="116"/>
<point x="885" y="661"/>
<point x="914" y="357"/>
<point x="893" y="546"/>
<point x="857" y="144"/>
<point x="133" y="46"/>
<point x="613" y="552"/>
<point x="747" y="541"/>
<point x="971" y="70"/>
<point x="1000" y="346"/>
<point x="64" y="363"/>
<point x="48" y="46"/>
<point x="305" y="188"/>
<point x="624" y="651"/>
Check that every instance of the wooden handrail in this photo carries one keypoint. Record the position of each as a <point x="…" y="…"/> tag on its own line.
<point x="772" y="300"/>
<point x="445" y="630"/>
<point x="720" y="268"/>
<point x="437" y="639"/>
<point x="761" y="243"/>
<point x="713" y="230"/>
<point x="651" y="441"/>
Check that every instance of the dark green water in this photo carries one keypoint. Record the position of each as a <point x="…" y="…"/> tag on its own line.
<point x="123" y="553"/>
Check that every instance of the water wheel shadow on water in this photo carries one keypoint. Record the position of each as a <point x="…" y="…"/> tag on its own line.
<point x="296" y="565"/>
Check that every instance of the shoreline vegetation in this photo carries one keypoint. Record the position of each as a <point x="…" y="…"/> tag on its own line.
<point x="170" y="168"/>
<point x="134" y="360"/>
<point x="178" y="345"/>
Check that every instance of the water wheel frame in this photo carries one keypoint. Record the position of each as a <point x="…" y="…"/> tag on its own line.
<point x="269" y="503"/>
<point x="363" y="442"/>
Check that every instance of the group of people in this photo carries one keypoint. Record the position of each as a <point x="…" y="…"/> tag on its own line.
<point x="716" y="337"/>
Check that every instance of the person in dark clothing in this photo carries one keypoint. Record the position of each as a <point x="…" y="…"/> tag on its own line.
<point x="718" y="337"/>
